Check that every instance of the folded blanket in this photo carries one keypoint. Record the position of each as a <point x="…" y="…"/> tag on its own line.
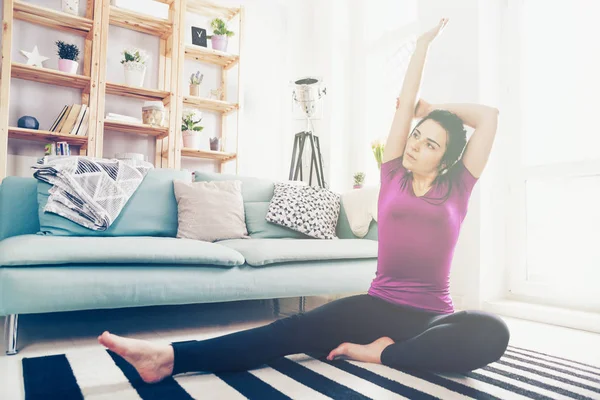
<point x="361" y="208"/>
<point x="90" y="191"/>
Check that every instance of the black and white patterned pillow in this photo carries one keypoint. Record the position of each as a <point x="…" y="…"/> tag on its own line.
<point x="313" y="211"/>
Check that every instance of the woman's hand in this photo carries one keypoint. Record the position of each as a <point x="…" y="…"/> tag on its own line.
<point x="421" y="110"/>
<point x="428" y="37"/>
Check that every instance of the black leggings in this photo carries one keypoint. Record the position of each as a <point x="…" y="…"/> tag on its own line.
<point x="459" y="342"/>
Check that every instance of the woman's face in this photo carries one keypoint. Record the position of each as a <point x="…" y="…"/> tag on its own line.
<point x="425" y="148"/>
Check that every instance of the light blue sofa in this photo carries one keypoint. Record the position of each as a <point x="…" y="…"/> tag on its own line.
<point x="49" y="264"/>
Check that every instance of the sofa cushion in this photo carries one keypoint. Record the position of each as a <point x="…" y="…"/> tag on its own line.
<point x="210" y="211"/>
<point x="257" y="194"/>
<point x="18" y="207"/>
<point x="151" y="210"/>
<point x="313" y="211"/>
<point x="25" y="250"/>
<point x="259" y="252"/>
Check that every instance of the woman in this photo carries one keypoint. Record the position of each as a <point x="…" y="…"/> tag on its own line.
<point x="407" y="319"/>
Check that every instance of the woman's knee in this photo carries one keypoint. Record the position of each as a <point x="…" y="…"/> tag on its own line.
<point x="492" y="332"/>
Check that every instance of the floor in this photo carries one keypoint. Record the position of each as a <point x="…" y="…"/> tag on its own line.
<point x="46" y="334"/>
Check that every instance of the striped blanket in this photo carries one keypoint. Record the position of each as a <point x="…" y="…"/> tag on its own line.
<point x="519" y="374"/>
<point x="89" y="191"/>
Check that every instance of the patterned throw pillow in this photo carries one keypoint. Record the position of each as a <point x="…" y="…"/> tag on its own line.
<point x="310" y="210"/>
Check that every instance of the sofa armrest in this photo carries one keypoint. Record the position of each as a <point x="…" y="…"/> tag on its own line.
<point x="18" y="207"/>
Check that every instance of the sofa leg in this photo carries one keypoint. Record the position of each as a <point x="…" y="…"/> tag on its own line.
<point x="302" y="304"/>
<point x="10" y="329"/>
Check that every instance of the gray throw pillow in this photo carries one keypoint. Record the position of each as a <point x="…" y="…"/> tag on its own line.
<point x="310" y="210"/>
<point x="210" y="211"/>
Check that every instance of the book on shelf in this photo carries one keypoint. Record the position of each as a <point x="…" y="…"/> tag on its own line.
<point x="57" y="149"/>
<point x="72" y="120"/>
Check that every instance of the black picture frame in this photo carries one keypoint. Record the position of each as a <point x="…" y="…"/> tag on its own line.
<point x="199" y="36"/>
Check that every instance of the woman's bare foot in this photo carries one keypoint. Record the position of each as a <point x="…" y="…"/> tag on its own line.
<point x="367" y="353"/>
<point x="153" y="361"/>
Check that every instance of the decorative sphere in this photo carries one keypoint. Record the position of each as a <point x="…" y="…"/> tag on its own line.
<point x="28" y="122"/>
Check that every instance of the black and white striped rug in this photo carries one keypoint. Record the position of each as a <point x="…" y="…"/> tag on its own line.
<point x="520" y="374"/>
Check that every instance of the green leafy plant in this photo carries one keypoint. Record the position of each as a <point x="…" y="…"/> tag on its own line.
<point x="196" y="78"/>
<point x="188" y="123"/>
<point x="359" y="178"/>
<point x="67" y="51"/>
<point x="378" y="147"/>
<point x="134" y="55"/>
<point x="219" y="28"/>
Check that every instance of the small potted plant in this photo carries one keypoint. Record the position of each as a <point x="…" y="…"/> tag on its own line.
<point x="134" y="64"/>
<point x="378" y="146"/>
<point x="359" y="179"/>
<point x="68" y="54"/>
<point x="190" y="129"/>
<point x="220" y="36"/>
<point x="215" y="143"/>
<point x="195" y="81"/>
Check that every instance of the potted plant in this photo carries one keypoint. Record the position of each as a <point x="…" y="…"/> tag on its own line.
<point x="68" y="54"/>
<point x="190" y="129"/>
<point x="195" y="81"/>
<point x="378" y="146"/>
<point x="220" y="36"/>
<point x="134" y="64"/>
<point x="359" y="179"/>
<point x="215" y="143"/>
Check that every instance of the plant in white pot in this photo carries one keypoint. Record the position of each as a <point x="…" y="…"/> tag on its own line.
<point x="68" y="54"/>
<point x="195" y="81"/>
<point x="190" y="130"/>
<point x="220" y="36"/>
<point x="134" y="64"/>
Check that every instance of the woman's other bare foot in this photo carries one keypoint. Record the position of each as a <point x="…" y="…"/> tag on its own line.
<point x="153" y="361"/>
<point x="370" y="353"/>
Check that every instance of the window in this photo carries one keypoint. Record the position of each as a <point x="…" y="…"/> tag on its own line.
<point x="554" y="226"/>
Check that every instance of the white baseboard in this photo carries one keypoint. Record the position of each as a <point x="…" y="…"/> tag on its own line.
<point x="587" y="321"/>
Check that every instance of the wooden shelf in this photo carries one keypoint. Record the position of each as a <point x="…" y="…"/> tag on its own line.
<point x="136" y="92"/>
<point x="209" y="104"/>
<point x="138" y="129"/>
<point x="209" y="9"/>
<point x="46" y="136"/>
<point x="208" y="154"/>
<point x="204" y="54"/>
<point x="52" y="18"/>
<point x="140" y="22"/>
<point x="49" y="76"/>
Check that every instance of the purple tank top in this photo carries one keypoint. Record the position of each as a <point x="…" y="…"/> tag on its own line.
<point x="417" y="237"/>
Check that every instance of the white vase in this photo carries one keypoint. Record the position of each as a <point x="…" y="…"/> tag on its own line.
<point x="70" y="7"/>
<point x="68" y="66"/>
<point x="192" y="139"/>
<point x="134" y="73"/>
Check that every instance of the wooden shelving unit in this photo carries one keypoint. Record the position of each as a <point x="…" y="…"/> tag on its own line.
<point x="202" y="54"/>
<point x="137" y="93"/>
<point x="49" y="76"/>
<point x="92" y="82"/>
<point x="53" y="19"/>
<point x="46" y="136"/>
<point x="224" y="60"/>
<point x="89" y="27"/>
<point x="168" y="31"/>
<point x="138" y="129"/>
<point x="209" y="104"/>
<point x="208" y="154"/>
<point x="140" y="22"/>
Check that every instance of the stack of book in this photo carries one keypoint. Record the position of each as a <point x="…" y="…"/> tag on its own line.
<point x="72" y="120"/>
<point x="58" y="149"/>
